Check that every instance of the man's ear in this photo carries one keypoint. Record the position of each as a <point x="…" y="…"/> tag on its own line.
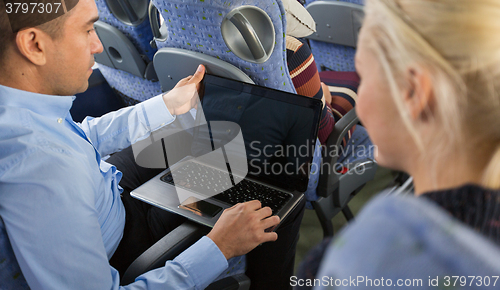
<point x="32" y="43"/>
<point x="419" y="96"/>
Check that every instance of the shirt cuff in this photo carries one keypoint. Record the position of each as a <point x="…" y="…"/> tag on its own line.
<point x="157" y="112"/>
<point x="203" y="261"/>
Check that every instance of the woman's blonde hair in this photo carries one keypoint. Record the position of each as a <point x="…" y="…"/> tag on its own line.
<point x="458" y="42"/>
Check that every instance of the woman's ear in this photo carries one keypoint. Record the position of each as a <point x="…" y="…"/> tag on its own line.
<point x="419" y="96"/>
<point x="32" y="44"/>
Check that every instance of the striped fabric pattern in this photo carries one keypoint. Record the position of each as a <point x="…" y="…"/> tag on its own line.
<point x="343" y="88"/>
<point x="306" y="80"/>
<point x="305" y="76"/>
<point x="473" y="205"/>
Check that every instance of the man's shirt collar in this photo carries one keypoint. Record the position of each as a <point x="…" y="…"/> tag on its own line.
<point x="46" y="105"/>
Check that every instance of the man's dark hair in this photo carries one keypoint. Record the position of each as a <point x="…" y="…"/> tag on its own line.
<point x="50" y="23"/>
<point x="6" y="35"/>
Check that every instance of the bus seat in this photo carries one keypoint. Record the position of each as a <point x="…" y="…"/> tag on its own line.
<point x="186" y="34"/>
<point x="236" y="32"/>
<point x="337" y="24"/>
<point x="355" y="146"/>
<point x="126" y="62"/>
<point x="333" y="46"/>
<point x="260" y="58"/>
<point x="342" y="176"/>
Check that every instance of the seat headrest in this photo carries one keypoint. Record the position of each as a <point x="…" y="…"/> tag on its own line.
<point x="197" y="26"/>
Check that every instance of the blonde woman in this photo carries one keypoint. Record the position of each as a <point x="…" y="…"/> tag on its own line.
<point x="430" y="100"/>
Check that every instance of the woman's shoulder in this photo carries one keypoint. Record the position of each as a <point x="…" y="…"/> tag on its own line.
<point x="405" y="215"/>
<point x="400" y="237"/>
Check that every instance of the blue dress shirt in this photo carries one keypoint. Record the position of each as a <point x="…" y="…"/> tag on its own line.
<point x="61" y="215"/>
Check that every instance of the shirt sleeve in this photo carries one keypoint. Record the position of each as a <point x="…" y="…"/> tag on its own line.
<point x="195" y="268"/>
<point x="118" y="130"/>
<point x="56" y="238"/>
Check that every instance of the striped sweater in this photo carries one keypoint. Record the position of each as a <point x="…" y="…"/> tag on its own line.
<point x="307" y="82"/>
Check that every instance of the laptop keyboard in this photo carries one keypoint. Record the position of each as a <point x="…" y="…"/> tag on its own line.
<point x="204" y="179"/>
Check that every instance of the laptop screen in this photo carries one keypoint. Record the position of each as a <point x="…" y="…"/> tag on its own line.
<point x="279" y="129"/>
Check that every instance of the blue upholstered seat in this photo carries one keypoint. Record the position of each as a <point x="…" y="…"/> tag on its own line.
<point x="195" y="25"/>
<point x="333" y="56"/>
<point x="134" y="88"/>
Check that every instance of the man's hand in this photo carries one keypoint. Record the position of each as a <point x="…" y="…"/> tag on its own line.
<point x="184" y="95"/>
<point x="241" y="228"/>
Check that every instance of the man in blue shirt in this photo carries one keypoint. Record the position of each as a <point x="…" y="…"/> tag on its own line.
<point x="61" y="214"/>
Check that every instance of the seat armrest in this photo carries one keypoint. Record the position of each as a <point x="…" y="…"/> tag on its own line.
<point x="329" y="178"/>
<point x="167" y="248"/>
<point x="352" y="181"/>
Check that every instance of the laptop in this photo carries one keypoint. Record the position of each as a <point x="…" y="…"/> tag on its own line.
<point x="245" y="142"/>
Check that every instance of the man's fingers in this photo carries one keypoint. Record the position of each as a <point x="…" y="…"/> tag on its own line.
<point x="196" y="96"/>
<point x="186" y="80"/>
<point x="232" y="206"/>
<point x="189" y="90"/>
<point x="270" y="221"/>
<point x="194" y="102"/>
<point x="265" y="212"/>
<point x="198" y="75"/>
<point x="253" y="204"/>
<point x="269" y="237"/>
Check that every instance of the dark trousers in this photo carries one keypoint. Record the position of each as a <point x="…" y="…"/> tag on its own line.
<point x="269" y="266"/>
<point x="144" y="224"/>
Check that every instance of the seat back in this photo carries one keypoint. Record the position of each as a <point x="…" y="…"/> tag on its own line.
<point x="248" y="34"/>
<point x="197" y="32"/>
<point x="335" y="189"/>
<point x="126" y="61"/>
<point x="337" y="24"/>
